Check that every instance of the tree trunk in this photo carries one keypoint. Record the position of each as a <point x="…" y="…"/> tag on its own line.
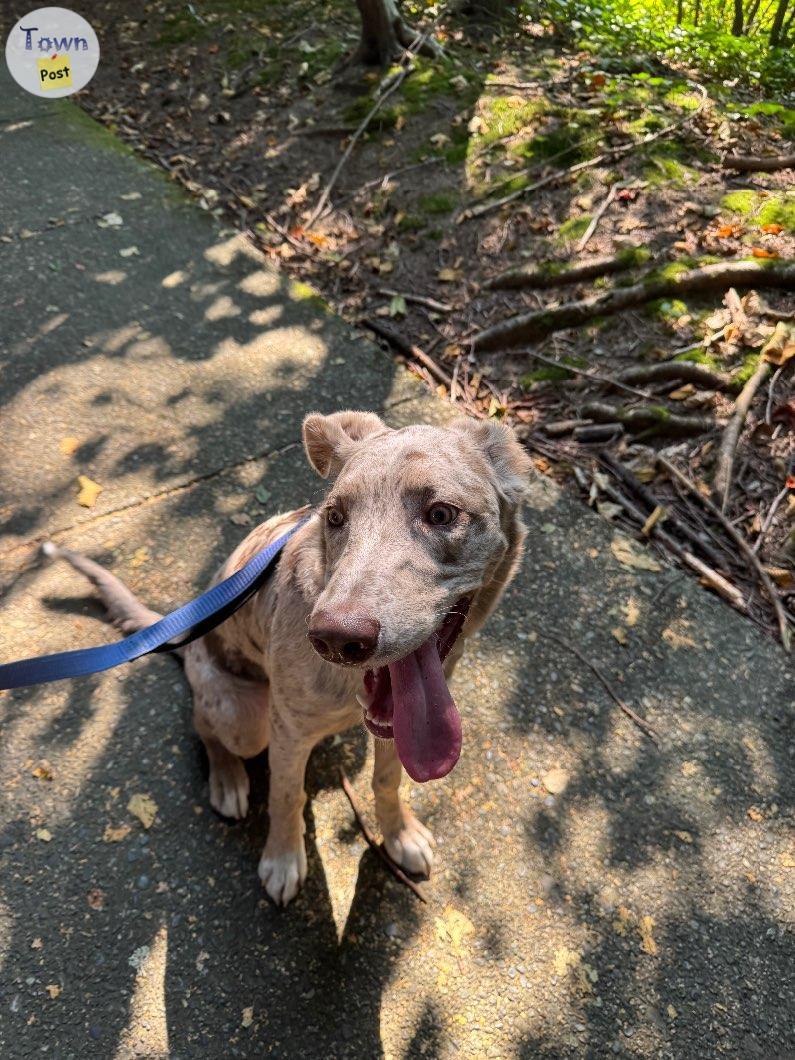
<point x="778" y="22"/>
<point x="739" y="19"/>
<point x="385" y="36"/>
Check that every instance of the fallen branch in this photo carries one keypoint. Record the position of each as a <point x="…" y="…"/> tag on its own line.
<point x="526" y="327"/>
<point x="715" y="581"/>
<point x="769" y="518"/>
<point x="607" y="156"/>
<point x="598" y="432"/>
<point x="741" y="543"/>
<point x="373" y="843"/>
<point x="556" y="274"/>
<point x="653" y="419"/>
<point x="408" y="349"/>
<point x="676" y="371"/>
<point x="761" y="164"/>
<point x="725" y="464"/>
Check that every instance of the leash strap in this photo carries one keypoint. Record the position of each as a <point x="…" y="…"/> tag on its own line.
<point x="190" y="621"/>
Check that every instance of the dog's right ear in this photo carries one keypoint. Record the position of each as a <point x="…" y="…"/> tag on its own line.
<point x="330" y="440"/>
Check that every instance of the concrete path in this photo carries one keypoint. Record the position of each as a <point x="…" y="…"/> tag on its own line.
<point x="595" y="896"/>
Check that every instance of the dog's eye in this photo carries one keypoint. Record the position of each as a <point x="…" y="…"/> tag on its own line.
<point x="334" y="517"/>
<point x="441" y="514"/>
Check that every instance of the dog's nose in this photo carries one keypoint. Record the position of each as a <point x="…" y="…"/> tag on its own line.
<point x="344" y="636"/>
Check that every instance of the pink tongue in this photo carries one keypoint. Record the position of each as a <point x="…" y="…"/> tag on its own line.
<point x="426" y="723"/>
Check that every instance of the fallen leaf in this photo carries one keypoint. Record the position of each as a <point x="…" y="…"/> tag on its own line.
<point x="89" y="491"/>
<point x="689" y="769"/>
<point x="782" y="576"/>
<point x="42" y="771"/>
<point x="144" y="808"/>
<point x="682" y="392"/>
<point x="780" y="347"/>
<point x="449" y="275"/>
<point x="53" y="990"/>
<point x="110" y="220"/>
<point x="555" y="781"/>
<point x="96" y="898"/>
<point x="397" y="306"/>
<point x="140" y="556"/>
<point x="631" y="555"/>
<point x="454" y="928"/>
<point x="772" y="229"/>
<point x="36" y="944"/>
<point x="676" y="635"/>
<point x="240" y="519"/>
<point x="620" y="634"/>
<point x="69" y="445"/>
<point x="564" y="959"/>
<point x="787" y="860"/>
<point x="672" y="1013"/>
<point x="262" y="495"/>
<point x="115" y="835"/>
<point x="624" y="918"/>
<point x="631" y="612"/>
<point x="755" y="814"/>
<point x="760" y="252"/>
<point x="248" y="1016"/>
<point x="724" y="231"/>
<point x="647" y="943"/>
<point x="43" y="834"/>
<point x="685" y="837"/>
<point x="129" y="252"/>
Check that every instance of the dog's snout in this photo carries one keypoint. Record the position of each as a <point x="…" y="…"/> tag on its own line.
<point x="348" y="637"/>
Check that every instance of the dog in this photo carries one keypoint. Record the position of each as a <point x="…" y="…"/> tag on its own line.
<point x="363" y="620"/>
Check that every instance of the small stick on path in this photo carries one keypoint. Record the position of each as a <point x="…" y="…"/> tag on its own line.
<point x="642" y="724"/>
<point x="597" y="217"/>
<point x="367" y="832"/>
<point x="409" y="350"/>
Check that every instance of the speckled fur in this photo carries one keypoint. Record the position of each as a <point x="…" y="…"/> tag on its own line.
<point x="256" y="680"/>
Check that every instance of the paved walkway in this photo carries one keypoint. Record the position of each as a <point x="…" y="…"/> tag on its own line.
<point x="638" y="904"/>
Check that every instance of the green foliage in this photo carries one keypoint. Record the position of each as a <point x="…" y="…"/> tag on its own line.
<point x="439" y="202"/>
<point x="634" y="35"/>
<point x="762" y="209"/>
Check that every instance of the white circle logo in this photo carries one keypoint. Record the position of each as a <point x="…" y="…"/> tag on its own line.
<point x="52" y="52"/>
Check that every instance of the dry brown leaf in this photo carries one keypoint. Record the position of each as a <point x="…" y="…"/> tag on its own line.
<point x="248" y="1016"/>
<point x="555" y="781"/>
<point x="772" y="229"/>
<point x="647" y="943"/>
<point x="454" y="928"/>
<point x="760" y="252"/>
<point x="682" y="392"/>
<point x="755" y="814"/>
<point x="69" y="445"/>
<point x="780" y="348"/>
<point x="564" y="959"/>
<point x="686" y="837"/>
<point x="631" y="555"/>
<point x="42" y="771"/>
<point x="144" y="808"/>
<point x="620" y="634"/>
<point x="631" y="612"/>
<point x="115" y="835"/>
<point x="449" y="275"/>
<point x="89" y="491"/>
<point x="36" y="944"/>
<point x="53" y="990"/>
<point x="140" y="556"/>
<point x="44" y="834"/>
<point x="96" y="898"/>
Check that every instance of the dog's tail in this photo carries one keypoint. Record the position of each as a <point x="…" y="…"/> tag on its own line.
<point x="125" y="610"/>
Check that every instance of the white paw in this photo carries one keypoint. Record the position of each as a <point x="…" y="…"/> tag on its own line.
<point x="411" y="847"/>
<point x="229" y="790"/>
<point x="282" y="876"/>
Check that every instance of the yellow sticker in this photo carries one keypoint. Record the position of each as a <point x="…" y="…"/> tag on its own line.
<point x="55" y="72"/>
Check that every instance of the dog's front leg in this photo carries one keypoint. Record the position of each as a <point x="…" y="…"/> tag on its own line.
<point x="408" y="842"/>
<point x="282" y="867"/>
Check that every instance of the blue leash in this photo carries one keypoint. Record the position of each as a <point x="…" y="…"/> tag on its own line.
<point x="193" y="619"/>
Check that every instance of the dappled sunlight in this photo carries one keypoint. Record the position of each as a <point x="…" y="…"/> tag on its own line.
<point x="222" y="308"/>
<point x="113" y="277"/>
<point x="174" y="279"/>
<point x="146" y="1033"/>
<point x="226" y="251"/>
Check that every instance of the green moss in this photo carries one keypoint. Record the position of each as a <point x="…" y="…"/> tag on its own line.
<point x="667" y="309"/>
<point x="742" y="374"/>
<point x="411" y="222"/>
<point x="742" y="202"/>
<point x="439" y="202"/>
<point x="384" y="119"/>
<point x="505" y="116"/>
<point x="700" y="355"/>
<point x="552" y="373"/>
<point x="780" y="210"/>
<point x="302" y="292"/>
<point x="634" y="256"/>
<point x="574" y="228"/>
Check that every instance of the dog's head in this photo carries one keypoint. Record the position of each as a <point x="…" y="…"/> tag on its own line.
<point x="416" y="522"/>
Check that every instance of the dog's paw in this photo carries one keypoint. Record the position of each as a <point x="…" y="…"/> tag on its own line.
<point x="229" y="788"/>
<point x="411" y="846"/>
<point x="283" y="875"/>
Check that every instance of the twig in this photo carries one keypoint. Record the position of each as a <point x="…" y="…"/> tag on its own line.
<point x="769" y="519"/>
<point x="597" y="217"/>
<point x="723" y="472"/>
<point x="684" y="371"/>
<point x="397" y="81"/>
<point x="589" y="374"/>
<point x="643" y="493"/>
<point x="716" y="581"/>
<point x="642" y="724"/>
<point x="282" y="231"/>
<point x="741" y="543"/>
<point x="762" y="164"/>
<point x="650" y="419"/>
<point x="609" y="155"/>
<point x="770" y="393"/>
<point x="393" y="867"/>
<point x="409" y="350"/>
<point x="417" y="299"/>
<point x="526" y="327"/>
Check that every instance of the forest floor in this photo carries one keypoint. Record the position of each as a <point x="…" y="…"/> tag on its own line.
<point x="251" y="107"/>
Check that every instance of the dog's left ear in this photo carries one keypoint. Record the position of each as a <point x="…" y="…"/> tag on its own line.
<point x="508" y="458"/>
<point x="330" y="440"/>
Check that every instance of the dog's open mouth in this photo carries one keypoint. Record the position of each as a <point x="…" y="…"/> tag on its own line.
<point x="408" y="701"/>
